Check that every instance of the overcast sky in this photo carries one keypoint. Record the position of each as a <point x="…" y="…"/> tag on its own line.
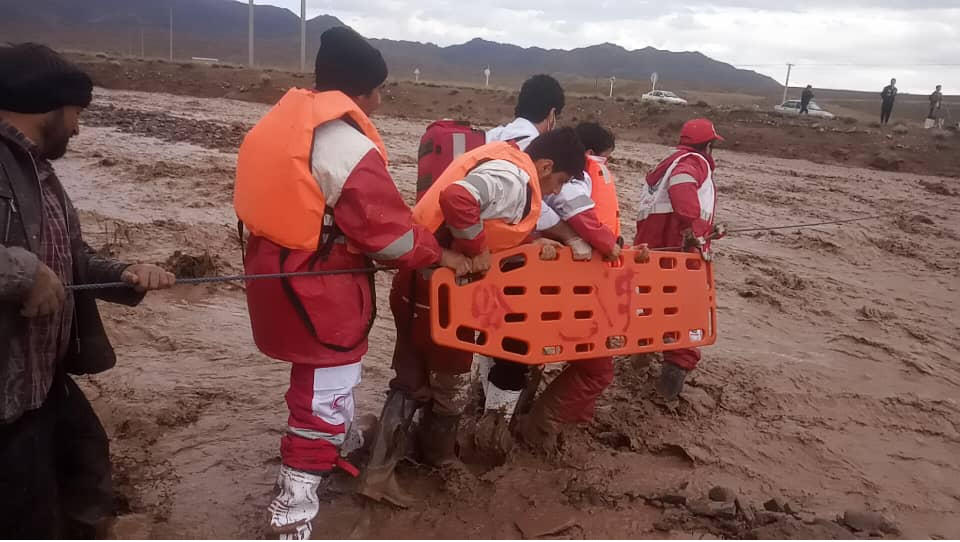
<point x="853" y="44"/>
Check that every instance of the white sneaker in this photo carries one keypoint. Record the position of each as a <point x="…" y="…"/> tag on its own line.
<point x="502" y="401"/>
<point x="297" y="504"/>
<point x="482" y="365"/>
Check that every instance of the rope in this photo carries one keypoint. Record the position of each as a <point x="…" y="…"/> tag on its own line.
<point x="378" y="268"/>
<point x="237" y="278"/>
<point x="812" y="224"/>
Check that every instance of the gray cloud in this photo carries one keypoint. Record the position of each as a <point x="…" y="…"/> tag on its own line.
<point x="870" y="38"/>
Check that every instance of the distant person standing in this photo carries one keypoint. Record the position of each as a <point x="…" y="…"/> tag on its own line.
<point x="805" y="98"/>
<point x="887" y="97"/>
<point x="936" y="102"/>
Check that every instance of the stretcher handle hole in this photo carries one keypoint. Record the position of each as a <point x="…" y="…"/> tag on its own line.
<point x="443" y="299"/>
<point x="645" y="342"/>
<point x="618" y="263"/>
<point x="670" y="311"/>
<point x="644" y="289"/>
<point x="671" y="337"/>
<point x="582" y="290"/>
<point x="555" y="350"/>
<point x="515" y="346"/>
<point x="550" y="290"/>
<point x="668" y="262"/>
<point x="583" y="315"/>
<point x="550" y="316"/>
<point x="669" y="289"/>
<point x="513" y="263"/>
<point x="514" y="290"/>
<point x="644" y="312"/>
<point x="694" y="264"/>
<point x="471" y="335"/>
<point x="584" y="347"/>
<point x="515" y="317"/>
<point x="616" y="342"/>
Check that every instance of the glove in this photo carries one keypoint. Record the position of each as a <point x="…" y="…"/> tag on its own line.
<point x="692" y="241"/>
<point x="582" y="251"/>
<point x="719" y="231"/>
<point x="548" y="248"/>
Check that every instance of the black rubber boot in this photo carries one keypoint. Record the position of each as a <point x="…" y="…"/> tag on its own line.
<point x="671" y="381"/>
<point x="379" y="481"/>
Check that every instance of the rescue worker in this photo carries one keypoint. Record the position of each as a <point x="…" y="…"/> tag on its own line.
<point x="805" y="98"/>
<point x="488" y="200"/>
<point x="936" y="102"/>
<point x="314" y="191"/>
<point x="539" y="104"/>
<point x="54" y="454"/>
<point x="677" y="210"/>
<point x="887" y="97"/>
<point x="591" y="208"/>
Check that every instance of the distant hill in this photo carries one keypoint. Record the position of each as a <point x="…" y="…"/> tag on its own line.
<point x="218" y="29"/>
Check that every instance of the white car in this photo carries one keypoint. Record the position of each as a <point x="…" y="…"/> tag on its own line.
<point x="792" y="107"/>
<point x="664" y="97"/>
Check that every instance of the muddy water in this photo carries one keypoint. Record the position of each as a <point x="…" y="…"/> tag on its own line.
<point x="834" y="383"/>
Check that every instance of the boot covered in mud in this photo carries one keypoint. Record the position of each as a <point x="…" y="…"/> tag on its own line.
<point x="379" y="479"/>
<point x="541" y="428"/>
<point x="437" y="439"/>
<point x="492" y="438"/>
<point x="671" y="380"/>
<point x="296" y="505"/>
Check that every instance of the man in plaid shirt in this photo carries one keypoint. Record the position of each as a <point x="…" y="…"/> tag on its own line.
<point x="54" y="456"/>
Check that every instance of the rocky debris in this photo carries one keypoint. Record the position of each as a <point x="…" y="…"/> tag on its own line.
<point x="790" y="528"/>
<point x="107" y="162"/>
<point x="211" y="135"/>
<point x="190" y="266"/>
<point x="886" y="163"/>
<point x="939" y="188"/>
<point x="670" y="520"/>
<point x="746" y="511"/>
<point x="713" y="509"/>
<point x="872" y="523"/>
<point x="536" y="525"/>
<point x="779" y="505"/>
<point x="722" y="494"/>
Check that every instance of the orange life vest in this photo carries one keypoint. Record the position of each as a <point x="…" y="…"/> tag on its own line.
<point x="499" y="233"/>
<point x="276" y="195"/>
<point x="604" y="194"/>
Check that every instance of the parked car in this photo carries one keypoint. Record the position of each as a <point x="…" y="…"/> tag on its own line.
<point x="664" y="97"/>
<point x="792" y="107"/>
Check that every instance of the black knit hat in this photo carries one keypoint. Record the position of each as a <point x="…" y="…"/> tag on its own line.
<point x="346" y="62"/>
<point x="34" y="79"/>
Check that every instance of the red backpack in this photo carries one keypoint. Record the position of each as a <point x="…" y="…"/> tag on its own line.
<point x="443" y="141"/>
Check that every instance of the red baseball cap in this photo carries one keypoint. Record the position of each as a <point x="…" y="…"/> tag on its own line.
<point x="698" y="132"/>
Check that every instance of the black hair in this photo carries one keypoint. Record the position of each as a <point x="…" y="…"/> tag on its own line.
<point x="563" y="147"/>
<point x="596" y="138"/>
<point x="35" y="79"/>
<point x="538" y="96"/>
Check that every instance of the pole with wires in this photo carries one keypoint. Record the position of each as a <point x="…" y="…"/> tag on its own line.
<point x="303" y="36"/>
<point x="786" y="84"/>
<point x="250" y="35"/>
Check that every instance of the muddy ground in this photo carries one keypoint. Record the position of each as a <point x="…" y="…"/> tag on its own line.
<point x="854" y="139"/>
<point x="833" y="386"/>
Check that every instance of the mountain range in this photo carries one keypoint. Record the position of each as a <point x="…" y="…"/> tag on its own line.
<point x="218" y="29"/>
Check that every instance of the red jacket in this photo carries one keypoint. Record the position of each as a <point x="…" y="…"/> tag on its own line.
<point x="376" y="224"/>
<point x="666" y="230"/>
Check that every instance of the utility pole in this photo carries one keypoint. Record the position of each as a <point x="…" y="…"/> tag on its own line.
<point x="250" y="36"/>
<point x="786" y="85"/>
<point x="171" y="34"/>
<point x="303" y="36"/>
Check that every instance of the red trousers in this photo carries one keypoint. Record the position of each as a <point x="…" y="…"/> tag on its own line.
<point x="572" y="396"/>
<point x="688" y="358"/>
<point x="321" y="405"/>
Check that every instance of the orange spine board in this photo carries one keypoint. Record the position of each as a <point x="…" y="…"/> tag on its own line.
<point x="533" y="311"/>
